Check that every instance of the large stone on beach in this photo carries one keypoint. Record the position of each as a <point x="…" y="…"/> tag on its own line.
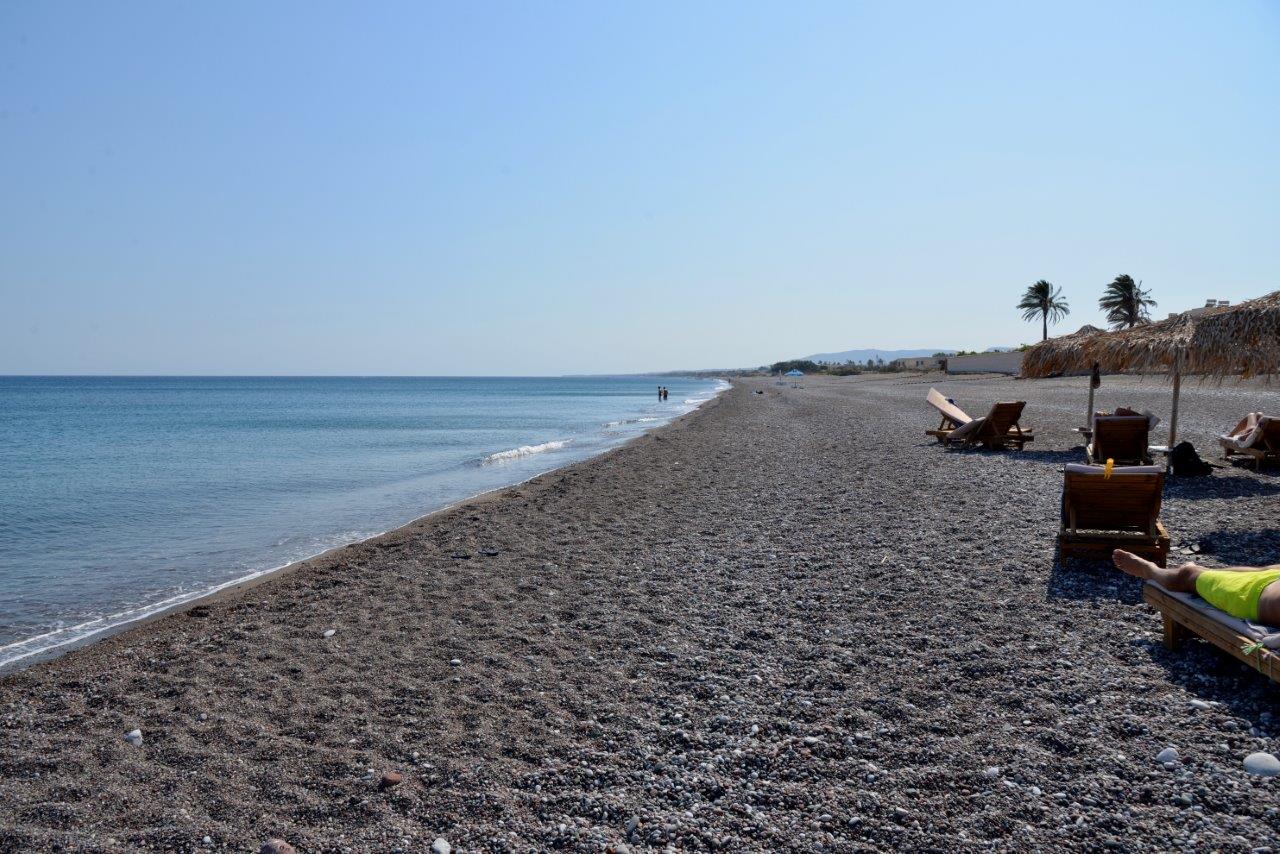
<point x="441" y="846"/>
<point x="389" y="779"/>
<point x="1262" y="764"/>
<point x="1169" y="754"/>
<point x="134" y="737"/>
<point x="276" y="846"/>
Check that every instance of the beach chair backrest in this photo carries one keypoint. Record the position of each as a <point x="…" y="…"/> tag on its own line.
<point x="950" y="412"/>
<point x="1129" y="500"/>
<point x="1122" y="438"/>
<point x="1270" y="438"/>
<point x="1003" y="416"/>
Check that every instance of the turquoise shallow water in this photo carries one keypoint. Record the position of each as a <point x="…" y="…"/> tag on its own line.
<point x="122" y="495"/>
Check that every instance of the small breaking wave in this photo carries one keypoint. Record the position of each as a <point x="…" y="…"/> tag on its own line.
<point x="624" y="421"/>
<point x="524" y="451"/>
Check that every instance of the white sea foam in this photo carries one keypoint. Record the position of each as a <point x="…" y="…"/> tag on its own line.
<point x="524" y="451"/>
<point x="624" y="421"/>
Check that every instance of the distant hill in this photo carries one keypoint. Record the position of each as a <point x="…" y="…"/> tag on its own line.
<point x="889" y="355"/>
<point x="863" y="355"/>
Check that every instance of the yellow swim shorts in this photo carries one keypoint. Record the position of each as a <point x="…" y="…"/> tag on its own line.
<point x="1237" y="593"/>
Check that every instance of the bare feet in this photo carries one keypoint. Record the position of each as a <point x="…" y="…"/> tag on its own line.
<point x="1134" y="565"/>
<point x="1181" y="579"/>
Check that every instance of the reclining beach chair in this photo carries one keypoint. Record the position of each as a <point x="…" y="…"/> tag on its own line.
<point x="997" y="429"/>
<point x="952" y="415"/>
<point x="1257" y="436"/>
<point x="1100" y="513"/>
<point x="1186" y="614"/>
<point x="1123" y="438"/>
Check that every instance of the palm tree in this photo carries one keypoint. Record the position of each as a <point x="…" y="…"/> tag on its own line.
<point x="1126" y="303"/>
<point x="1044" y="301"/>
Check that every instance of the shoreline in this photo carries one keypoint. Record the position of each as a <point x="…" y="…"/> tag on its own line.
<point x="228" y="589"/>
<point x="786" y="621"/>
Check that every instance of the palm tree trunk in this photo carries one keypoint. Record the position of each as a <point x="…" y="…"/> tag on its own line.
<point x="1044" y="329"/>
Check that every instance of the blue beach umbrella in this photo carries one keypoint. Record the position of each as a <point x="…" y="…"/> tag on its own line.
<point x="795" y="373"/>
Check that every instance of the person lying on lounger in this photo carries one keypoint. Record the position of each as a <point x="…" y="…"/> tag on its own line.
<point x="1246" y="592"/>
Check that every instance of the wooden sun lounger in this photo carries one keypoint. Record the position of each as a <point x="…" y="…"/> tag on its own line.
<point x="952" y="415"/>
<point x="999" y="429"/>
<point x="1182" y="620"/>
<point x="1122" y="438"/>
<point x="1100" y="514"/>
<point x="1266" y="448"/>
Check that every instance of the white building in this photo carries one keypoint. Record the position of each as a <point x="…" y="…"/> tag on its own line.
<point x="920" y="363"/>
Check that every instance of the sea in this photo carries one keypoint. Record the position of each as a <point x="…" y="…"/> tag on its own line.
<point x="123" y="496"/>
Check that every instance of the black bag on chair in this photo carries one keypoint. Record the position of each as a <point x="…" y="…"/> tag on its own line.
<point x="1186" y="462"/>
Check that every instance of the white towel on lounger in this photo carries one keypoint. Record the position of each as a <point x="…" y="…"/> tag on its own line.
<point x="1268" y="636"/>
<point x="1249" y="435"/>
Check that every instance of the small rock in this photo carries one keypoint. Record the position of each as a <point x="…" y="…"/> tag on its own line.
<point x="455" y="662"/>
<point x="1167" y="755"/>
<point x="991" y="773"/>
<point x="330" y="632"/>
<point x="389" y="779"/>
<point x="1201" y="705"/>
<point x="441" y="846"/>
<point x="1262" y="764"/>
<point x="134" y="737"/>
<point x="276" y="846"/>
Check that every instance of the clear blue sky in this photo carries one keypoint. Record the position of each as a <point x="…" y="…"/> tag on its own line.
<point x="552" y="187"/>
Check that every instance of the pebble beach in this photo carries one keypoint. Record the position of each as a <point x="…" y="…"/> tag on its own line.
<point x="786" y="621"/>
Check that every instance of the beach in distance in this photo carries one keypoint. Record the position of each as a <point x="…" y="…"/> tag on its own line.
<point x="786" y="620"/>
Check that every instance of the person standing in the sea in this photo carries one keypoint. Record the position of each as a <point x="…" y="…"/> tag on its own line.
<point x="659" y="392"/>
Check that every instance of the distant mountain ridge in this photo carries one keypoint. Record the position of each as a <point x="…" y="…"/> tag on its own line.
<point x="873" y="353"/>
<point x="888" y="355"/>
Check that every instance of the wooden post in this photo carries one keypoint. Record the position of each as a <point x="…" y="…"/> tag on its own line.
<point x="1088" y="420"/>
<point x="1174" y="633"/>
<point x="1177" y="390"/>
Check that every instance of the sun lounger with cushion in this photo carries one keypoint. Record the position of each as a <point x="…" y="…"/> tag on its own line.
<point x="1185" y="613"/>
<point x="1100" y="513"/>
<point x="996" y="429"/>
<point x="1257" y="436"/>
<point x="952" y="415"/>
<point x="1122" y="438"/>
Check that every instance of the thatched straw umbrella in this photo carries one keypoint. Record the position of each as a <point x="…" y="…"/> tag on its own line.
<point x="1065" y="350"/>
<point x="1226" y="341"/>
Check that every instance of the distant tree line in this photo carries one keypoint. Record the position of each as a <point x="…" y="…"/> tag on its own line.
<point x="836" y="369"/>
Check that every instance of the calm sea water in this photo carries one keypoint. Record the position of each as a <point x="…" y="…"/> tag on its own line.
<point x="120" y="496"/>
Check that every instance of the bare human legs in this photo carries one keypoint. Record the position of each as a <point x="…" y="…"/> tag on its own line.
<point x="1182" y="579"/>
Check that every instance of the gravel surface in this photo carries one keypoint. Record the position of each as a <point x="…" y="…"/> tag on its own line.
<point x="785" y="622"/>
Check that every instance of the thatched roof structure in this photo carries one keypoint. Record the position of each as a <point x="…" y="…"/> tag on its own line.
<point x="1242" y="339"/>
<point x="1238" y="340"/>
